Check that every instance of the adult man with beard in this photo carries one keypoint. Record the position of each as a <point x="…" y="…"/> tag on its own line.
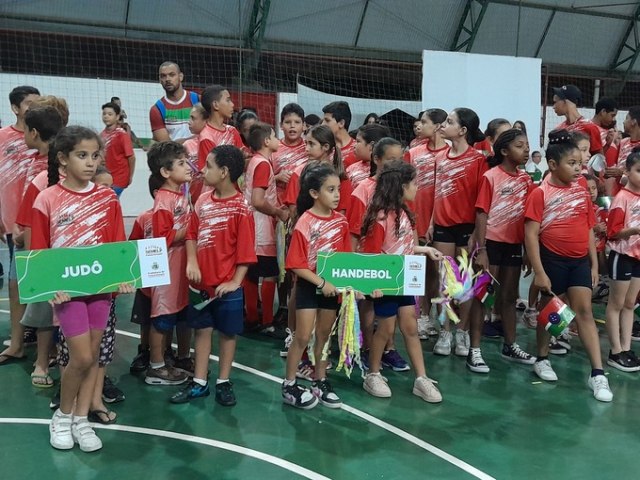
<point x="169" y="116"/>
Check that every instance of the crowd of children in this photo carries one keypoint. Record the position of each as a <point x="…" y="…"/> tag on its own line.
<point x="238" y="207"/>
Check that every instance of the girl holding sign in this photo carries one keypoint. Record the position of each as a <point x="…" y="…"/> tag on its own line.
<point x="73" y="213"/>
<point x="389" y="227"/>
<point x="319" y="228"/>
<point x="560" y="243"/>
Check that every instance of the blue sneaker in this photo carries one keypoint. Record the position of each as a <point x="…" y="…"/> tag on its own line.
<point x="191" y="391"/>
<point x="392" y="359"/>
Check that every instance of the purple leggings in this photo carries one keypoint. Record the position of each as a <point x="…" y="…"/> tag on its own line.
<point x="82" y="314"/>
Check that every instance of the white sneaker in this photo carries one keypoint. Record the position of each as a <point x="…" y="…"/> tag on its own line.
<point x="376" y="385"/>
<point x="475" y="362"/>
<point x="60" y="431"/>
<point x="544" y="371"/>
<point x="564" y="339"/>
<point x="600" y="386"/>
<point x="530" y="318"/>
<point x="463" y="342"/>
<point x="426" y="327"/>
<point x="425" y="388"/>
<point x="287" y="343"/>
<point x="84" y="435"/>
<point x="443" y="344"/>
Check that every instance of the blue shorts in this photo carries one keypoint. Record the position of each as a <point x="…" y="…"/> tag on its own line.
<point x="225" y="314"/>
<point x="118" y="190"/>
<point x="165" y="323"/>
<point x="388" y="306"/>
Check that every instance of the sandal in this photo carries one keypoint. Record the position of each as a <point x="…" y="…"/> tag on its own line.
<point x="102" y="416"/>
<point x="41" y="381"/>
<point x="6" y="359"/>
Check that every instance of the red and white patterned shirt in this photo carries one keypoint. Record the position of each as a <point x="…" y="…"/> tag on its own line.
<point x="287" y="159"/>
<point x="15" y="158"/>
<point x="457" y="184"/>
<point x="382" y="237"/>
<point x="624" y="213"/>
<point x="565" y="216"/>
<point x="313" y="234"/>
<point x="223" y="230"/>
<point x="211" y="137"/>
<point x="502" y="197"/>
<point x="260" y="175"/>
<point x="357" y="172"/>
<point x="66" y="218"/>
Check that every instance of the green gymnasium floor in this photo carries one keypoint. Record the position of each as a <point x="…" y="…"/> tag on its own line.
<point x="504" y="425"/>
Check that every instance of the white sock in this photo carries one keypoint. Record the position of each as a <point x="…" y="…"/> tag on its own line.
<point x="221" y="380"/>
<point x="288" y="383"/>
<point x="200" y="381"/>
<point x="155" y="365"/>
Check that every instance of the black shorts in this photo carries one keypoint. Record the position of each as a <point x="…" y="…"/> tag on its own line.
<point x="623" y="267"/>
<point x="565" y="272"/>
<point x="266" y="267"/>
<point x="504" y="254"/>
<point x="388" y="306"/>
<point x="458" y="234"/>
<point x="308" y="297"/>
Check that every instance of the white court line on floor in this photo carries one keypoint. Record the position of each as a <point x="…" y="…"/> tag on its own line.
<point x="470" y="469"/>
<point x="265" y="457"/>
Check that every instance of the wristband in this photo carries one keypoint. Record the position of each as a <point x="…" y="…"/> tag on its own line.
<point x="321" y="286"/>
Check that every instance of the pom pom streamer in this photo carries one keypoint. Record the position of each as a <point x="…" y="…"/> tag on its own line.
<point x="347" y="328"/>
<point x="459" y="283"/>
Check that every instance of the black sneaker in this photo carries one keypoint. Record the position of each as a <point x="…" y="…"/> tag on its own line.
<point x="140" y="362"/>
<point x="298" y="396"/>
<point x="30" y="337"/>
<point x="187" y="365"/>
<point x="111" y="393"/>
<point x="630" y="354"/>
<point x="556" y="349"/>
<point x="225" y="395"/>
<point x="323" y="390"/>
<point x="635" y="332"/>
<point x="191" y="391"/>
<point x="54" y="404"/>
<point x="492" y="329"/>
<point x="514" y="353"/>
<point x="622" y="362"/>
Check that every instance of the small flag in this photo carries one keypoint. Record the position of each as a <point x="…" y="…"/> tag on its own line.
<point x="604" y="202"/>
<point x="556" y="316"/>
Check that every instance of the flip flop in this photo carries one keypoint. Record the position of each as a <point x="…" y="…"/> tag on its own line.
<point x="10" y="359"/>
<point x="41" y="381"/>
<point x="95" y="416"/>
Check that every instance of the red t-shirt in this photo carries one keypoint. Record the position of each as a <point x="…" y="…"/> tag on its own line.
<point x="484" y="147"/>
<point x="602" y="216"/>
<point x="457" y="183"/>
<point x="624" y="213"/>
<point x="15" y="158"/>
<point x="118" y="149"/>
<point x="259" y="174"/>
<point x="223" y="230"/>
<point x="417" y="142"/>
<point x="502" y="197"/>
<point x="585" y="126"/>
<point x="287" y="159"/>
<point x="313" y="234"/>
<point x="382" y="237"/>
<point x="565" y="216"/>
<point x="349" y="159"/>
<point x="360" y="199"/>
<point x="143" y="226"/>
<point x="65" y="218"/>
<point x="38" y="164"/>
<point x="38" y="184"/>
<point x="293" y="189"/>
<point x="211" y="137"/>
<point x="171" y="212"/>
<point x="347" y="150"/>
<point x="425" y="159"/>
<point x="357" y="172"/>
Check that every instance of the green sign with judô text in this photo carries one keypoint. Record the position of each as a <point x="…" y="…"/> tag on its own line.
<point x="392" y="274"/>
<point x="81" y="271"/>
